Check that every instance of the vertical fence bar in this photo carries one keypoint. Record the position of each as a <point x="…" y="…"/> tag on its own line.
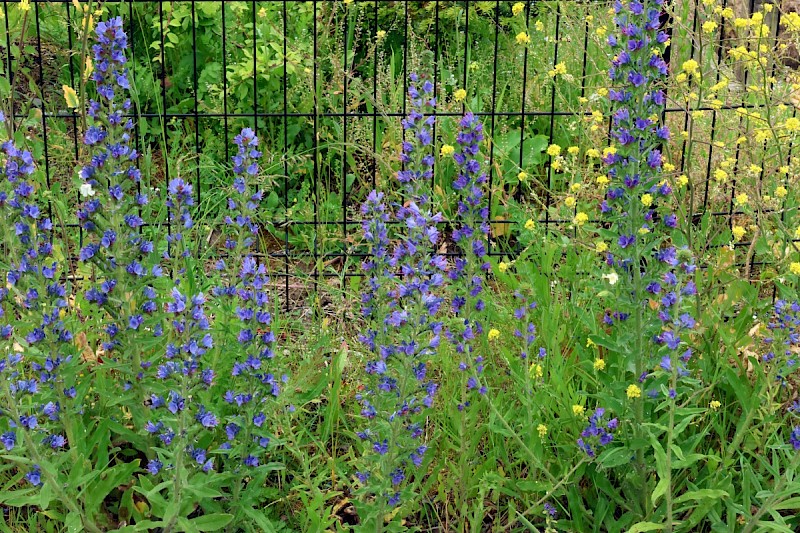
<point x="255" y="70"/>
<point x="196" y="102"/>
<point x="345" y="75"/>
<point x="493" y="116"/>
<point x="315" y="186"/>
<point x="225" y="82"/>
<point x="43" y="111"/>
<point x="551" y="135"/>
<point x="285" y="161"/>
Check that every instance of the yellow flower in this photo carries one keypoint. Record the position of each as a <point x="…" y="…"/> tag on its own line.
<point x="578" y="410"/>
<point x="709" y="26"/>
<point x="784" y="169"/>
<point x="536" y="370"/>
<point x="493" y="334"/>
<point x="720" y="175"/>
<point x="727" y="12"/>
<point x="714" y="405"/>
<point x="447" y="150"/>
<point x="601" y="31"/>
<point x="523" y="38"/>
<point x="794" y="268"/>
<point x="602" y="180"/>
<point x="682" y="77"/>
<point x="600" y="246"/>
<point x="502" y="266"/>
<point x="539" y="25"/>
<point x="262" y="13"/>
<point x="570" y="201"/>
<point x="580" y="219"/>
<point x="599" y="364"/>
<point x="683" y="180"/>
<point x="797" y="233"/>
<point x="690" y="66"/>
<point x="459" y="95"/>
<point x="559" y="70"/>
<point x="741" y="199"/>
<point x="522" y="176"/>
<point x="633" y="392"/>
<point x="767" y="8"/>
<point x="593" y="153"/>
<point x="644" y="230"/>
<point x="557" y="164"/>
<point x="518" y="8"/>
<point x="575" y="187"/>
<point x="530" y="224"/>
<point x="346" y="2"/>
<point x="381" y="34"/>
<point x="553" y="150"/>
<point x="573" y="150"/>
<point x="590" y="343"/>
<point x="668" y="167"/>
<point x="25" y="5"/>
<point x="792" y="124"/>
<point x="647" y="200"/>
<point x="781" y="192"/>
<point x="542" y="429"/>
<point x="738" y="232"/>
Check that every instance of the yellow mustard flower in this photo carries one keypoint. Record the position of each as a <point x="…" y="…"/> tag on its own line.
<point x="570" y="201"/>
<point x="380" y="35"/>
<point x="683" y="180"/>
<point x="553" y="150"/>
<point x="502" y="266"/>
<point x="647" y="199"/>
<point x="741" y="199"/>
<point x="580" y="219"/>
<point x="600" y="246"/>
<point x="460" y="95"/>
<point x="720" y="175"/>
<point x="523" y="38"/>
<point x="578" y="410"/>
<point x="714" y="405"/>
<point x="599" y="364"/>
<point x="522" y="176"/>
<point x="690" y="66"/>
<point x="633" y="391"/>
<point x="493" y="334"/>
<point x="738" y="232"/>
<point x="794" y="268"/>
<point x="542" y="429"/>
<point x="447" y="150"/>
<point x="530" y="224"/>
<point x="518" y="8"/>
<point x="709" y="26"/>
<point x="573" y="150"/>
<point x="781" y="191"/>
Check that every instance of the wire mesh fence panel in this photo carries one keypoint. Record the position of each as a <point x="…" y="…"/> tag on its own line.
<point x="323" y="85"/>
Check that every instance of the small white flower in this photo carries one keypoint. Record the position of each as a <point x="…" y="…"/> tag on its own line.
<point x="612" y="278"/>
<point x="86" y="190"/>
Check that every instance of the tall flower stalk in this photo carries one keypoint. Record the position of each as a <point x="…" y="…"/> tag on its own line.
<point x="119" y="254"/>
<point x="39" y="368"/>
<point x="401" y="306"/>
<point x="652" y="273"/>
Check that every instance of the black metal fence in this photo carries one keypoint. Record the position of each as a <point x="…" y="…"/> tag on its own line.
<point x="319" y="83"/>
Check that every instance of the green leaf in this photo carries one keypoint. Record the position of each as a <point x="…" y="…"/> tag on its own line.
<point x="659" y="491"/>
<point x="614" y="457"/>
<point x="701" y="494"/>
<point x="211" y="522"/>
<point x="645" y="526"/>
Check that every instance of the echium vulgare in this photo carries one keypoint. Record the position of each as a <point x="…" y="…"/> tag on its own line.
<point x="400" y="305"/>
<point x="38" y="362"/>
<point x="637" y="200"/>
<point x="470" y="233"/>
<point x="115" y="250"/>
